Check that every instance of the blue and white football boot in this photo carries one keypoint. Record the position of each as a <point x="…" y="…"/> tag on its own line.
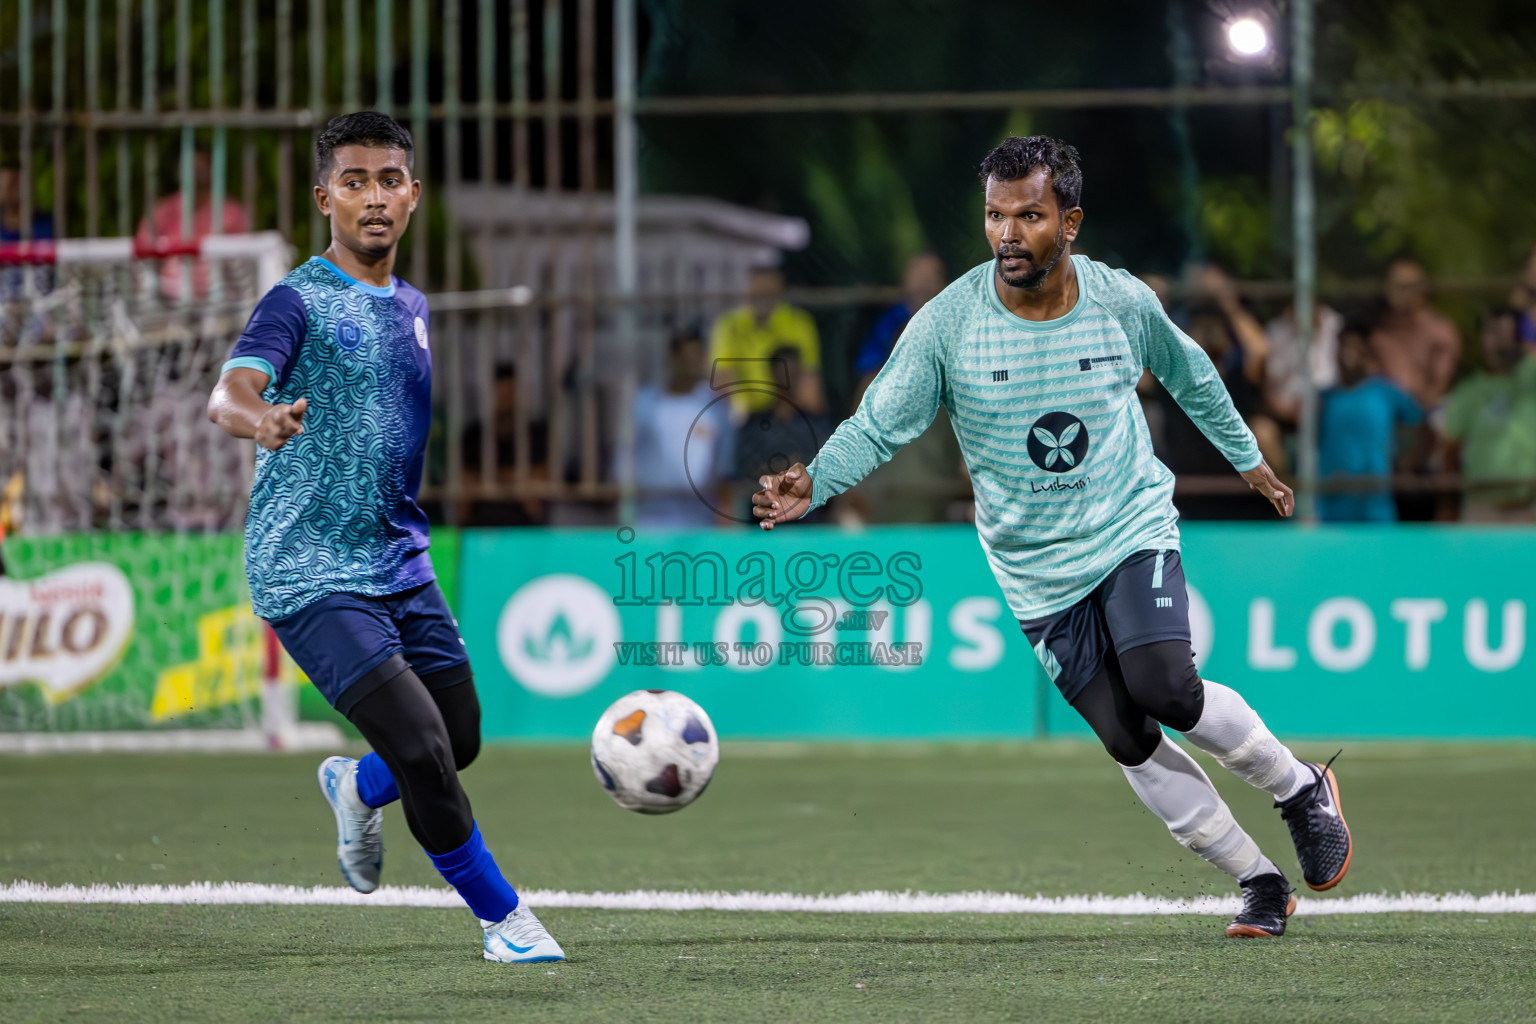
<point x="519" y="938"/>
<point x="359" y="828"/>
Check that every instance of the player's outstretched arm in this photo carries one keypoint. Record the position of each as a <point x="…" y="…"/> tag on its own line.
<point x="236" y="406"/>
<point x="898" y="406"/>
<point x="784" y="497"/>
<point x="1262" y="479"/>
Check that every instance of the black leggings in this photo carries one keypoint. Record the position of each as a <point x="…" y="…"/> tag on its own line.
<point x="426" y="737"/>
<point x="1133" y="693"/>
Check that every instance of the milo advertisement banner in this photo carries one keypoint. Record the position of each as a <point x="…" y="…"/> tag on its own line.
<point x="65" y="630"/>
<point x="902" y="632"/>
<point x="127" y="631"/>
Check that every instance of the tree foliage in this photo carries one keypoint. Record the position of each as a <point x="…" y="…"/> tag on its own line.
<point x="1452" y="181"/>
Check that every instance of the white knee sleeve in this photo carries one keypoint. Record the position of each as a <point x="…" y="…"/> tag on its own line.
<point x="1233" y="733"/>
<point x="1174" y="788"/>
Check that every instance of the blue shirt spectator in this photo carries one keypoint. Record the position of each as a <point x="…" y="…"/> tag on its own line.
<point x="1358" y="427"/>
<point x="877" y="344"/>
<point x="13" y="280"/>
<point x="1523" y="298"/>
<point x="923" y="278"/>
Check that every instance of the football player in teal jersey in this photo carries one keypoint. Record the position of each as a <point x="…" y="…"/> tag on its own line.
<point x="1035" y="355"/>
<point x="333" y="379"/>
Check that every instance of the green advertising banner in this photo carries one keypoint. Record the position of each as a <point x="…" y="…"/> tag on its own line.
<point x="103" y="631"/>
<point x="901" y="632"/>
<point x="803" y="633"/>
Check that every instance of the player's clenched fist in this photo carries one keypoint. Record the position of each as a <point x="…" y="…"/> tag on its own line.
<point x="784" y="497"/>
<point x="281" y="422"/>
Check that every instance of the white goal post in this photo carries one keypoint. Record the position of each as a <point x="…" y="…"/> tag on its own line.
<point x="272" y="255"/>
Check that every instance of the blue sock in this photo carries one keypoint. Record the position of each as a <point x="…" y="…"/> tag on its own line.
<point x="374" y="783"/>
<point x="473" y="872"/>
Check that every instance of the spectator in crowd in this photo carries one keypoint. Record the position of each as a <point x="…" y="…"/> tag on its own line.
<point x="790" y="430"/>
<point x="503" y="438"/>
<point x="10" y="508"/>
<point x="10" y="209"/>
<point x="1417" y="348"/>
<point x="13" y="279"/>
<point x="1490" y="426"/>
<point x="164" y="226"/>
<point x="923" y="278"/>
<point x="684" y="443"/>
<point x="1523" y="299"/>
<point x="1219" y="323"/>
<point x="1283" y="378"/>
<point x="1360" y="429"/>
<point x="746" y="337"/>
<point x="925" y="479"/>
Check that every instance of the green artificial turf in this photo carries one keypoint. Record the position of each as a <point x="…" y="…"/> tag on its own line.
<point x="1054" y="818"/>
<point x="330" y="964"/>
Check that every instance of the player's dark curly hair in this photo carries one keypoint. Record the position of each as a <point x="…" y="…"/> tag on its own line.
<point x="363" y="128"/>
<point x="1018" y="156"/>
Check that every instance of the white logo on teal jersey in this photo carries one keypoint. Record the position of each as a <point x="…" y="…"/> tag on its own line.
<point x="1058" y="442"/>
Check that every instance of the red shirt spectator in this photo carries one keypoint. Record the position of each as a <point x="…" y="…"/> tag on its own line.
<point x="165" y="226"/>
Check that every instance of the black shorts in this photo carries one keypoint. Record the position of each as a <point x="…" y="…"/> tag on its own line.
<point x="1140" y="602"/>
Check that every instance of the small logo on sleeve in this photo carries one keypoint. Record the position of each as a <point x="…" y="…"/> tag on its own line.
<point x="349" y="333"/>
<point x="1088" y="364"/>
<point x="421" y="332"/>
<point x="999" y="375"/>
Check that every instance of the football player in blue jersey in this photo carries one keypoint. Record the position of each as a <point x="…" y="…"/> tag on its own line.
<point x="1035" y="355"/>
<point x="333" y="379"/>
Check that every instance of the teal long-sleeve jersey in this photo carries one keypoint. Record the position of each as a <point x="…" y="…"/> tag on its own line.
<point x="1047" y="417"/>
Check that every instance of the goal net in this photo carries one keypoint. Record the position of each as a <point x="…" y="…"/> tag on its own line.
<point x="123" y="605"/>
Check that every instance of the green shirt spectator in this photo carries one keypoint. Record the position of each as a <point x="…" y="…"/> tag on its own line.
<point x="1491" y="418"/>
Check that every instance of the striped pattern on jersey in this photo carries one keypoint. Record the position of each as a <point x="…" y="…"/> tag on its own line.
<point x="1047" y="417"/>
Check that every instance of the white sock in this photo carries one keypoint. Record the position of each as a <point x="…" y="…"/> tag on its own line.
<point x="1233" y="733"/>
<point x="1174" y="788"/>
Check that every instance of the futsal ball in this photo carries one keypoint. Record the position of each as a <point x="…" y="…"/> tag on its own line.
<point x="654" y="751"/>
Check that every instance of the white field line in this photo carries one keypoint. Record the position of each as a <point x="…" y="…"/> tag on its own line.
<point x="209" y="893"/>
<point x="311" y="736"/>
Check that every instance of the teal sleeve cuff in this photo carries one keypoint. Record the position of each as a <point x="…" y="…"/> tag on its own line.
<point x="251" y="363"/>
<point x="1251" y="462"/>
<point x="819" y="495"/>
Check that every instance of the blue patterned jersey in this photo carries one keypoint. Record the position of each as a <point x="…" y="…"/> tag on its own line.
<point x="334" y="509"/>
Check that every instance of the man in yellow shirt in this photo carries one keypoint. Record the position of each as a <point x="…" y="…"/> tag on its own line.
<point x="745" y="339"/>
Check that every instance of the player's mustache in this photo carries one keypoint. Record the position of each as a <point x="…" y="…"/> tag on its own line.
<point x="1004" y="252"/>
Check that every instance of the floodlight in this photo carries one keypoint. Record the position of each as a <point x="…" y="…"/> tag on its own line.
<point x="1248" y="37"/>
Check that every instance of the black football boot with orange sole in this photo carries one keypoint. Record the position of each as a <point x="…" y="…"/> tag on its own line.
<point x="1267" y="901"/>
<point x="1323" y="843"/>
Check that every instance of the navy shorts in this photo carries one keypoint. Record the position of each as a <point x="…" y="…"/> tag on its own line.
<point x="1141" y="602"/>
<point x="349" y="645"/>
